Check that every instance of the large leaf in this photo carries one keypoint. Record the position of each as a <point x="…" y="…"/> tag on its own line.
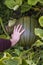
<point x="30" y="62"/>
<point x="41" y="21"/>
<point x="13" y="4"/>
<point x="18" y="3"/>
<point x="3" y="36"/>
<point x="6" y="54"/>
<point x="32" y="2"/>
<point x="39" y="32"/>
<point x="25" y="7"/>
<point x="41" y="1"/>
<point x="10" y="3"/>
<point x="11" y="22"/>
<point x="38" y="43"/>
<point x="10" y="62"/>
<point x="17" y="52"/>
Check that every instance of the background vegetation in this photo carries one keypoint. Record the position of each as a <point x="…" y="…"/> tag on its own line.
<point x="10" y="11"/>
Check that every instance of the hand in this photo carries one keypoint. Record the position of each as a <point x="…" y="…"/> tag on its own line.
<point x="16" y="34"/>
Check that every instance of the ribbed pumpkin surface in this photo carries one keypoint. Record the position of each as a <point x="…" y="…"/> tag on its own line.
<point x="28" y="37"/>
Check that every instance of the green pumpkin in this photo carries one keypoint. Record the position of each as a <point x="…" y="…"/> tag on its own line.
<point x="28" y="37"/>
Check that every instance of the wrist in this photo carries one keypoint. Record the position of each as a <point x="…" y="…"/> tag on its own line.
<point x="12" y="42"/>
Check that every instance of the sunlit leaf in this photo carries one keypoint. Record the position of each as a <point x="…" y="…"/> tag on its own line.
<point x="6" y="54"/>
<point x="25" y="7"/>
<point x="11" y="22"/>
<point x="13" y="4"/>
<point x="38" y="43"/>
<point x="3" y="36"/>
<point x="30" y="62"/>
<point x="41" y="21"/>
<point x="17" y="52"/>
<point x="19" y="59"/>
<point x="16" y="7"/>
<point x="19" y="2"/>
<point x="32" y="2"/>
<point x="10" y="3"/>
<point x="10" y="62"/>
<point x="39" y="32"/>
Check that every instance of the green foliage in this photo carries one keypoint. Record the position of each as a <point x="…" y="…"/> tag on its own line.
<point x="15" y="5"/>
<point x="22" y="4"/>
<point x="25" y="7"/>
<point x="24" y="58"/>
<point x="17" y="55"/>
<point x="41" y="1"/>
<point x="41" y="21"/>
<point x="32" y="2"/>
<point x="6" y="34"/>
<point x="12" y="4"/>
<point x="11" y="22"/>
<point x="38" y="43"/>
<point x="39" y="32"/>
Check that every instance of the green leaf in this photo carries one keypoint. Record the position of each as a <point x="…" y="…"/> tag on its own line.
<point x="39" y="32"/>
<point x="19" y="2"/>
<point x="17" y="51"/>
<point x="3" y="36"/>
<point x="30" y="62"/>
<point x="41" y="54"/>
<point x="41" y="1"/>
<point x="16" y="7"/>
<point x="24" y="62"/>
<point x="13" y="4"/>
<point x="1" y="63"/>
<point x="32" y="2"/>
<point x="38" y="43"/>
<point x="10" y="62"/>
<point x="18" y="59"/>
<point x="11" y="22"/>
<point x="41" y="21"/>
<point x="10" y="3"/>
<point x="25" y="7"/>
<point x="6" y="54"/>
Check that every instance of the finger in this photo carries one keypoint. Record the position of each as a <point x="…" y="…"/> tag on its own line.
<point x="22" y="31"/>
<point x="14" y="28"/>
<point x="20" y="28"/>
<point x="12" y="35"/>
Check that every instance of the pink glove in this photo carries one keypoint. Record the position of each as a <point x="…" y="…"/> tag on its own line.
<point x="16" y="34"/>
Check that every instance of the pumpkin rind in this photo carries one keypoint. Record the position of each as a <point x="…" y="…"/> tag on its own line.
<point x="28" y="37"/>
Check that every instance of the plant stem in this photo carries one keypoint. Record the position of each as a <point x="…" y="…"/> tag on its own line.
<point x="4" y="29"/>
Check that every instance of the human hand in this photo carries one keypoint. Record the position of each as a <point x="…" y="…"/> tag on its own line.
<point x="16" y="34"/>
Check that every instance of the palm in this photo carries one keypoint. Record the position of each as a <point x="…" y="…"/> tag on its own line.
<point x="17" y="33"/>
